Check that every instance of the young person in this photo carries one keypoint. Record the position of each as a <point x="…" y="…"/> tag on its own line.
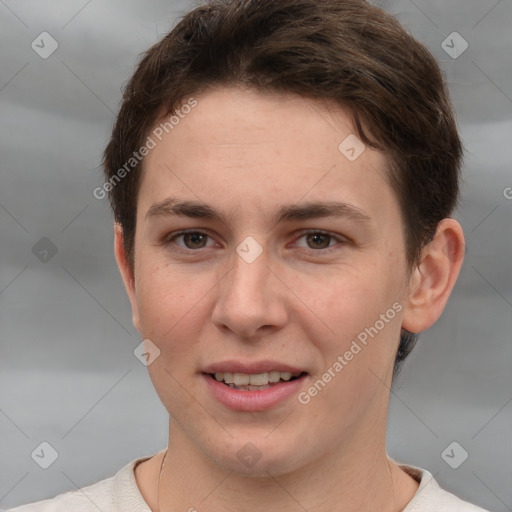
<point x="282" y="175"/>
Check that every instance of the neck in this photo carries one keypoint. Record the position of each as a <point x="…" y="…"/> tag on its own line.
<point x="356" y="476"/>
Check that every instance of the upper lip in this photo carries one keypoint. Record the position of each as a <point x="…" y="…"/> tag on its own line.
<point x="251" y="367"/>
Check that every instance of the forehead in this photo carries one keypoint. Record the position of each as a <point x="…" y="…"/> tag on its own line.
<point x="250" y="151"/>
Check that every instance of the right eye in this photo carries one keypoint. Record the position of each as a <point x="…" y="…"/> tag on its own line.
<point x="191" y="240"/>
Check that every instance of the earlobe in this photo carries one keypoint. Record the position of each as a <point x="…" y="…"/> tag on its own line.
<point x="433" y="279"/>
<point x="127" y="273"/>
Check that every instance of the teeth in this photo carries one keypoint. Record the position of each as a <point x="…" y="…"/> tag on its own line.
<point x="258" y="379"/>
<point x="227" y="377"/>
<point x="255" y="388"/>
<point x="274" y="376"/>
<point x="254" y="380"/>
<point x="241" y="379"/>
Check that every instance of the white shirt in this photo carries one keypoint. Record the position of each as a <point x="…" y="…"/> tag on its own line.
<point x="120" y="493"/>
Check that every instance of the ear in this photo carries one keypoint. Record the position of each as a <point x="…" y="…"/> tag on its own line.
<point x="126" y="272"/>
<point x="433" y="279"/>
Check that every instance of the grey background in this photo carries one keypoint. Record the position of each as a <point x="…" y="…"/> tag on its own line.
<point x="68" y="375"/>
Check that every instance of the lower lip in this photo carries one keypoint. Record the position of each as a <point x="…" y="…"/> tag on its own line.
<point x="240" y="400"/>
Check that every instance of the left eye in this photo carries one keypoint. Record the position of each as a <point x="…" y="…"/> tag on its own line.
<point x="319" y="240"/>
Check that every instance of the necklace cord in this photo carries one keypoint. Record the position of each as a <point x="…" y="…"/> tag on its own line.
<point x="159" y="478"/>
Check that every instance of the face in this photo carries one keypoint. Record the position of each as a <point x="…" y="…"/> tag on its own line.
<point x="264" y="249"/>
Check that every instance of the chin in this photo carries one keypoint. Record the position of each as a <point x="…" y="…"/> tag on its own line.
<point x="258" y="458"/>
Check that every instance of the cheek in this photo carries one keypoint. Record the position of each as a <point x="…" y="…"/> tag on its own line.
<point x="361" y="309"/>
<point x="172" y="314"/>
<point x="358" y="356"/>
<point x="346" y="300"/>
<point x="171" y="307"/>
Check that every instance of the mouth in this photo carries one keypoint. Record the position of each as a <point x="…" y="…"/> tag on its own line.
<point x="254" y="381"/>
<point x="252" y="386"/>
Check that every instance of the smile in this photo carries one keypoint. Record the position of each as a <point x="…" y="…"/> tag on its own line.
<point x="254" y="381"/>
<point x="251" y="392"/>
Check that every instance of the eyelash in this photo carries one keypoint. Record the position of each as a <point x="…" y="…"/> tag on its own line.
<point x="341" y="240"/>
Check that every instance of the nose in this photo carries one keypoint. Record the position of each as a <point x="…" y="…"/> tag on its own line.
<point x="250" y="299"/>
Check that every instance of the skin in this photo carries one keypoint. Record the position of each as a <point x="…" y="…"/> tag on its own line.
<point x="302" y="302"/>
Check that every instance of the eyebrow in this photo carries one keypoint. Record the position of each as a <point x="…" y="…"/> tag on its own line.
<point x="310" y="210"/>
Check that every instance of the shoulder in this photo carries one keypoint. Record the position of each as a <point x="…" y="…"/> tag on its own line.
<point x="119" y="492"/>
<point x="431" y="497"/>
<point x="92" y="497"/>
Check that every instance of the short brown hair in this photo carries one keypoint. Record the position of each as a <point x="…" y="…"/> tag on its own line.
<point x="346" y="51"/>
